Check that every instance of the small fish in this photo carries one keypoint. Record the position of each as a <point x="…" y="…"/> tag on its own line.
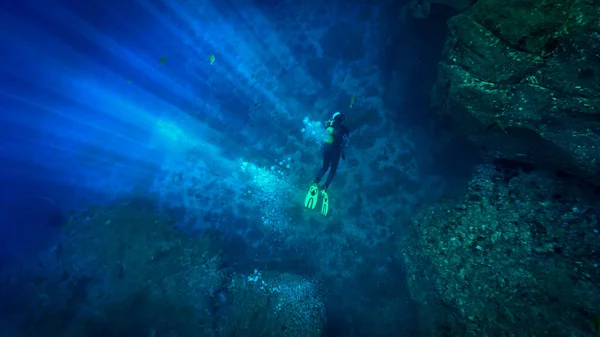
<point x="497" y="124"/>
<point x="255" y="107"/>
<point x="500" y="125"/>
<point x="108" y="222"/>
<point x="212" y="59"/>
<point x="352" y="101"/>
<point x="163" y="59"/>
<point x="128" y="80"/>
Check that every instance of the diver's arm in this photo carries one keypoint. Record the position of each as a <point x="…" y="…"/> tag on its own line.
<point x="344" y="144"/>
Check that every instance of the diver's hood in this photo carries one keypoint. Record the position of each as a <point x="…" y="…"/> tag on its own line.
<point x="339" y="116"/>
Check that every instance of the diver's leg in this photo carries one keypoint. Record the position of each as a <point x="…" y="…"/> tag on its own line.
<point x="326" y="164"/>
<point x="335" y="160"/>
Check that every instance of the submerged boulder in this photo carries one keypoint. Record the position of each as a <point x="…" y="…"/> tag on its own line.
<point x="520" y="78"/>
<point x="517" y="255"/>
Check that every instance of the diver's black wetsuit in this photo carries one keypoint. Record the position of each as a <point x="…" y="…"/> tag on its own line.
<point x="332" y="152"/>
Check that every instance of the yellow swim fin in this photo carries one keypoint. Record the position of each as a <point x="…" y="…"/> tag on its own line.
<point x="312" y="196"/>
<point x="325" y="207"/>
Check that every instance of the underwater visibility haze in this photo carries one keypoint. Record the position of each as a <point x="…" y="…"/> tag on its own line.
<point x="175" y="168"/>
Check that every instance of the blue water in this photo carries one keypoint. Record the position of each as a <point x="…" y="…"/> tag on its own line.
<point x="143" y="183"/>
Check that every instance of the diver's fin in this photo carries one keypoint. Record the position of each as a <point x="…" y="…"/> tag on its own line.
<point x="325" y="207"/>
<point x="312" y="196"/>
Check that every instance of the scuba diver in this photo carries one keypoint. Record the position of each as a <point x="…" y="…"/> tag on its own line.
<point x="334" y="147"/>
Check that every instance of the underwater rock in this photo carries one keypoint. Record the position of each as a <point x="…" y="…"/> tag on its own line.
<point x="520" y="79"/>
<point x="518" y="247"/>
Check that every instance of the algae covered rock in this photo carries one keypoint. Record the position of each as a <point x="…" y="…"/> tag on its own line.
<point x="518" y="247"/>
<point x="520" y="78"/>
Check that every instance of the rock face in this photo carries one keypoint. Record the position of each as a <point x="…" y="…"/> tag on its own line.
<point x="517" y="255"/>
<point x="521" y="78"/>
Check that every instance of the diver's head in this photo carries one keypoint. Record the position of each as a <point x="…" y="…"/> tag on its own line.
<point x="338" y="117"/>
